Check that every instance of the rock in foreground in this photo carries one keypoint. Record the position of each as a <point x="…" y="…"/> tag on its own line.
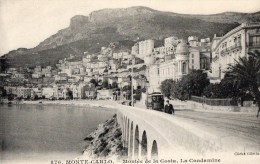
<point x="105" y="141"/>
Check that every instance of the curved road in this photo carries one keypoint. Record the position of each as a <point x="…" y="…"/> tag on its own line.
<point x="242" y="125"/>
<point x="234" y="128"/>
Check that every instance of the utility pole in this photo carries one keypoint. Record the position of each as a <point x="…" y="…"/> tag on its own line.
<point x="132" y="87"/>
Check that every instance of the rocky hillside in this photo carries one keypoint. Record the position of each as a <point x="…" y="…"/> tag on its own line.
<point x="105" y="141"/>
<point x="89" y="33"/>
<point x="140" y="22"/>
<point x="229" y="17"/>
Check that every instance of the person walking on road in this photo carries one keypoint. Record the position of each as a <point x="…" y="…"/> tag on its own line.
<point x="168" y="108"/>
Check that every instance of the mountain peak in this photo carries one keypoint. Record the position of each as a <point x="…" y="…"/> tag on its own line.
<point x="102" y="15"/>
<point x="78" y="21"/>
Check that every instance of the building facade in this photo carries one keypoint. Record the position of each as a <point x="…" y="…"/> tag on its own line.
<point x="145" y="48"/>
<point x="185" y="59"/>
<point x="135" y="49"/>
<point x="235" y="44"/>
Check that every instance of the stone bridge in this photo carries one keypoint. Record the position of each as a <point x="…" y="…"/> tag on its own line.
<point x="152" y="134"/>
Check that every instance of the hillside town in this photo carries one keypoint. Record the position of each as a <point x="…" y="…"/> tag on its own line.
<point x="123" y="81"/>
<point x="110" y="74"/>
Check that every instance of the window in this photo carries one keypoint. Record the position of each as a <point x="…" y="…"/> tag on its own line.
<point x="254" y="41"/>
<point x="192" y="55"/>
<point x="184" y="68"/>
<point x="192" y="61"/>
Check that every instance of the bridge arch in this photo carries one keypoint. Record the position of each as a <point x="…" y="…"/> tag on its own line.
<point x="136" y="142"/>
<point x="123" y="130"/>
<point x="127" y="133"/>
<point x="154" y="151"/>
<point x="155" y="138"/>
<point x="127" y="129"/>
<point x="144" y="145"/>
<point x="130" y="152"/>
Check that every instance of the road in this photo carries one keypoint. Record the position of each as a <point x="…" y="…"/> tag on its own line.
<point x="238" y="126"/>
<point x="242" y="125"/>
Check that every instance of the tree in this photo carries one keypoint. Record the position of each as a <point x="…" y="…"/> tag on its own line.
<point x="93" y="81"/>
<point x="228" y="89"/>
<point x="179" y="90"/>
<point x="3" y="92"/>
<point x="166" y="87"/>
<point x="105" y="84"/>
<point x="224" y="89"/>
<point x="195" y="82"/>
<point x="70" y="94"/>
<point x="114" y="85"/>
<point x="191" y="84"/>
<point x="211" y="91"/>
<point x="3" y="64"/>
<point x="138" y="93"/>
<point x="126" y="88"/>
<point x="100" y="82"/>
<point x="19" y="98"/>
<point x="10" y="97"/>
<point x="246" y="75"/>
<point x="35" y="97"/>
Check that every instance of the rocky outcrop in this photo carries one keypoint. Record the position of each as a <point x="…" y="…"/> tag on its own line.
<point x="105" y="141"/>
<point x="107" y="15"/>
<point x="78" y="21"/>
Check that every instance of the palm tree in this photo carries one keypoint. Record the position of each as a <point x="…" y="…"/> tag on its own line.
<point x="246" y="75"/>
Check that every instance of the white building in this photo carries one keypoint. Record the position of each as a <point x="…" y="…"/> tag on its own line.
<point x="170" y="44"/>
<point x="193" y="41"/>
<point x="117" y="55"/>
<point x="135" y="49"/>
<point x="145" y="48"/>
<point x="48" y="92"/>
<point x="87" y="78"/>
<point x="86" y="59"/>
<point x="23" y="92"/>
<point x="182" y="59"/>
<point x="171" y="41"/>
<point x="167" y="70"/>
<point x="173" y="68"/>
<point x="100" y="56"/>
<point x="67" y="71"/>
<point x="236" y="43"/>
<point x="194" y="58"/>
<point x="153" y="76"/>
<point x="37" y="75"/>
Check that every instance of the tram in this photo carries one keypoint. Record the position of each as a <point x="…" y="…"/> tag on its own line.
<point x="155" y="101"/>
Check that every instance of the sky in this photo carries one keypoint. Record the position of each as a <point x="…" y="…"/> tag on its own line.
<point x="25" y="23"/>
